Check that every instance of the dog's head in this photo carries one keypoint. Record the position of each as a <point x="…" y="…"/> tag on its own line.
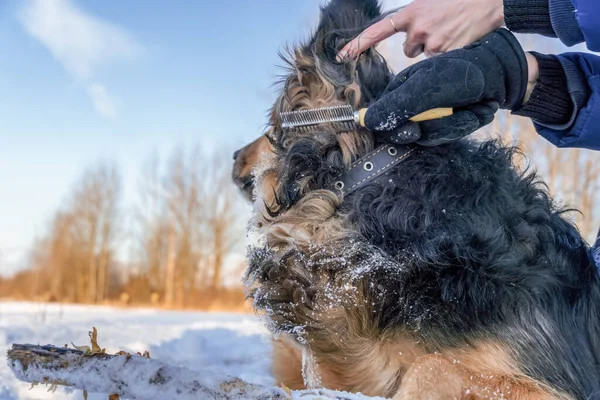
<point x="294" y="165"/>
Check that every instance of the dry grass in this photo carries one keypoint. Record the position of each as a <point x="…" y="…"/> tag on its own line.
<point x="135" y="293"/>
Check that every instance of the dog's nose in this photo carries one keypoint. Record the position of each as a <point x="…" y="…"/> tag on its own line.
<point x="236" y="154"/>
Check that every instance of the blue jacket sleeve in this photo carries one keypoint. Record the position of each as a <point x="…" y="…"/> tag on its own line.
<point x="583" y="82"/>
<point x="587" y="13"/>
<point x="576" y="21"/>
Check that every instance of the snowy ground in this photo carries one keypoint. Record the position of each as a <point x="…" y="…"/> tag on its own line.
<point x="236" y="345"/>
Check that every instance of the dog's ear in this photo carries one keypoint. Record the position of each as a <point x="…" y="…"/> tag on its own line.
<point x="340" y="22"/>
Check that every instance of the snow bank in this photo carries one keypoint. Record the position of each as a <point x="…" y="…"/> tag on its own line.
<point x="208" y="349"/>
<point x="229" y="344"/>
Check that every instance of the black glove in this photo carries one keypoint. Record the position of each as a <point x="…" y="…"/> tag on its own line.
<point x="435" y="132"/>
<point x="474" y="80"/>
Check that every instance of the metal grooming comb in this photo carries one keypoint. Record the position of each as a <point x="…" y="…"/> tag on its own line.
<point x="342" y="118"/>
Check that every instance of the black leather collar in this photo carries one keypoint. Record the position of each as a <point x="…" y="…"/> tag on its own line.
<point x="371" y="166"/>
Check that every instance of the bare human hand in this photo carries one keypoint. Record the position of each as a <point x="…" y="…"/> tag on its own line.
<point x="432" y="26"/>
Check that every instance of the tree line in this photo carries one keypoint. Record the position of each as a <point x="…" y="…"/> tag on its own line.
<point x="169" y="248"/>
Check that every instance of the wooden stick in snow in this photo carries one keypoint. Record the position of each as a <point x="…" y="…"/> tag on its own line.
<point x="140" y="378"/>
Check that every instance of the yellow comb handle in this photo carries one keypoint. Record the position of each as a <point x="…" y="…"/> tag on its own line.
<point x="432" y="114"/>
<point x="424" y="116"/>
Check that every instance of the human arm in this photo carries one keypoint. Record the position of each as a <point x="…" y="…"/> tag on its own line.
<point x="562" y="98"/>
<point x="565" y="103"/>
<point x="556" y="18"/>
<point x="474" y="81"/>
<point x="438" y="26"/>
<point x="560" y="93"/>
<point x="433" y="26"/>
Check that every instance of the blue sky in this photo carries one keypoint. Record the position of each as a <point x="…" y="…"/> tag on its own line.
<point x="96" y="80"/>
<point x="93" y="80"/>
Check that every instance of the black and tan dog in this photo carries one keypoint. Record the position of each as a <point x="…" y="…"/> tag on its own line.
<point x="454" y="276"/>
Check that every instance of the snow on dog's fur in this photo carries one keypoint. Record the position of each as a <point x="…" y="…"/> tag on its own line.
<point x="453" y="276"/>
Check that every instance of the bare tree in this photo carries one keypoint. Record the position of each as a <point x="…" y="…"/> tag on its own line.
<point x="153" y="235"/>
<point x="187" y="219"/>
<point x="188" y="223"/>
<point x="94" y="207"/>
<point x="186" y="226"/>
<point x="74" y="259"/>
<point x="222" y="209"/>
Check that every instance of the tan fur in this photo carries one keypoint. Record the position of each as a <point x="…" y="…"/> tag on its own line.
<point x="287" y="363"/>
<point x="351" y="356"/>
<point x="265" y="195"/>
<point x="405" y="371"/>
<point x="368" y="365"/>
<point x="311" y="221"/>
<point x="492" y="369"/>
<point x="439" y="377"/>
<point x="251" y="156"/>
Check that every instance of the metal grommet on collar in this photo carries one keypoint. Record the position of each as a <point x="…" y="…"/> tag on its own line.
<point x="370" y="167"/>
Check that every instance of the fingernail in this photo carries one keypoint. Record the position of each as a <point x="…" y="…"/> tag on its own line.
<point x="342" y="55"/>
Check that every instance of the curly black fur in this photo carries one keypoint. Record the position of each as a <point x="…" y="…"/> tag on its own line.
<point x="476" y="248"/>
<point x="489" y="254"/>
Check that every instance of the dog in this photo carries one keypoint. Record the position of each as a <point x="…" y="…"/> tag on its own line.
<point x="453" y="276"/>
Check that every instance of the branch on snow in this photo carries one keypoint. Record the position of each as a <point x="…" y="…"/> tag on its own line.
<point x="136" y="377"/>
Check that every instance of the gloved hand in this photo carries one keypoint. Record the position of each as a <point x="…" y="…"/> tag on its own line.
<point x="474" y="80"/>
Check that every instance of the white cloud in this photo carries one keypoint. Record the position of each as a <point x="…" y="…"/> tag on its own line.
<point x="103" y="102"/>
<point x="81" y="42"/>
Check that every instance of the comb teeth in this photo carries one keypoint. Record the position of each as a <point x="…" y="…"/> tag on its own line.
<point x="340" y="118"/>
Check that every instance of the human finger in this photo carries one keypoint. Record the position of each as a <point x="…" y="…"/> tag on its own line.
<point x="484" y="111"/>
<point x="415" y="42"/>
<point x="373" y="35"/>
<point x="412" y="49"/>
